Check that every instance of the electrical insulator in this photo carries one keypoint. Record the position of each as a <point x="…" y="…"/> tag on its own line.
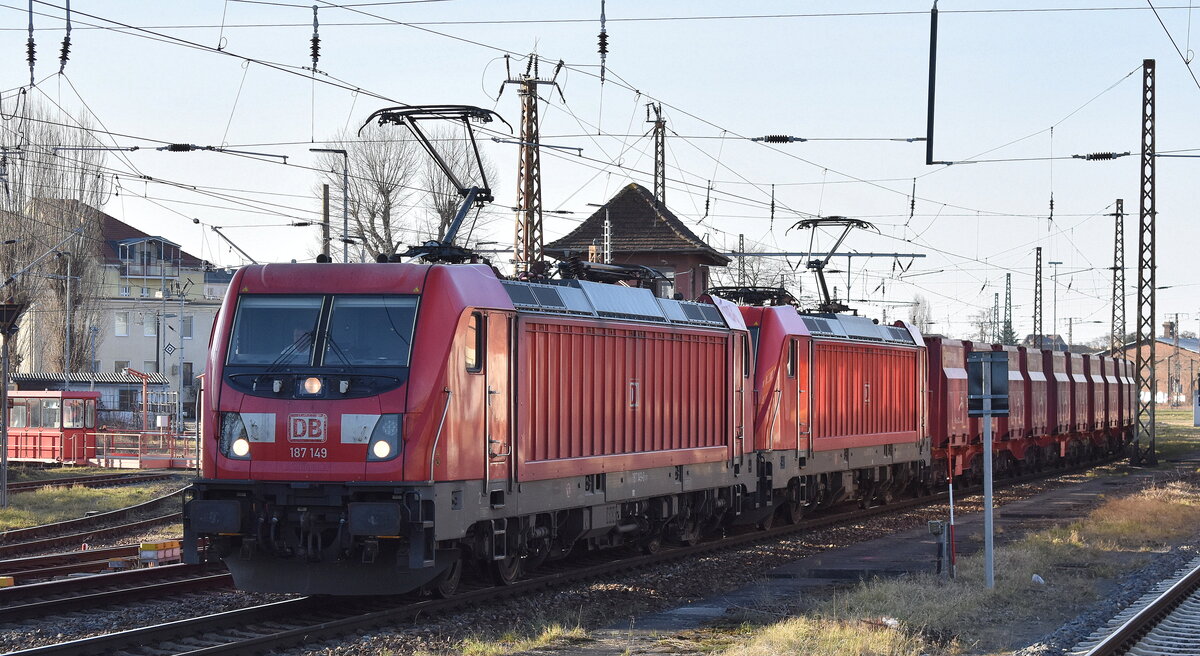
<point x="316" y="40"/>
<point x="604" y="43"/>
<point x="178" y="148"/>
<point x="778" y="138"/>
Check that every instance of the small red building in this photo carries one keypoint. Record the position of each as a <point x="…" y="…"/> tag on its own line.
<point x="645" y="232"/>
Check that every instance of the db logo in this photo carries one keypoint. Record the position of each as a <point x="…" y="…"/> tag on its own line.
<point x="306" y="427"/>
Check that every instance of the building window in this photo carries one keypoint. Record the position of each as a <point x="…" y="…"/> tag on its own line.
<point x="145" y="292"/>
<point x="188" y="378"/>
<point x="186" y="329"/>
<point x="122" y="324"/>
<point x="95" y="366"/>
<point x="127" y="399"/>
<point x="120" y="365"/>
<point x="124" y="291"/>
<point x="149" y="367"/>
<point x="149" y="325"/>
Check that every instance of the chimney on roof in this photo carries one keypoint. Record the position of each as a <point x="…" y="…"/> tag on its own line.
<point x="1169" y="329"/>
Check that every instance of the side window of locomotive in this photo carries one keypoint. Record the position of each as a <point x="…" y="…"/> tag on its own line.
<point x="745" y="357"/>
<point x="473" y="346"/>
<point x="791" y="361"/>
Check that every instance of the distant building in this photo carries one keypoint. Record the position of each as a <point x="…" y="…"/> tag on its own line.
<point x="1175" y="367"/>
<point x="1051" y="342"/>
<point x="644" y="232"/>
<point x="157" y="305"/>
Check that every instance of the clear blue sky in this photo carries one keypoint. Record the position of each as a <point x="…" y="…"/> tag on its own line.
<point x="820" y="70"/>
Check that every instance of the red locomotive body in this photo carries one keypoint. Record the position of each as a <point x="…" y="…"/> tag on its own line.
<point x="524" y="418"/>
<point x="840" y="406"/>
<point x="52" y="427"/>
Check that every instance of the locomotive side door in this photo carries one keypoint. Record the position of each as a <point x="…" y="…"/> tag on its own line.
<point x="803" y="348"/>
<point x="498" y="443"/>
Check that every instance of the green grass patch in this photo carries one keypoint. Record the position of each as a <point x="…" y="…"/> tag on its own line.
<point x="1174" y="435"/>
<point x="56" y="504"/>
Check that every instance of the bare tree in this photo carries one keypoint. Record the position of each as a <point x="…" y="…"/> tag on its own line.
<point x="53" y="189"/>
<point x="921" y="314"/>
<point x="384" y="178"/>
<point x="756" y="271"/>
<point x="444" y="199"/>
<point x="397" y="193"/>
<point x="981" y="326"/>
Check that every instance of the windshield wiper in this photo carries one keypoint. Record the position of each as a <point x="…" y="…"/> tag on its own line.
<point x="301" y="342"/>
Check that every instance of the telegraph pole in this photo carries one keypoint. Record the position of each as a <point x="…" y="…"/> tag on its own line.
<point x="1143" y="442"/>
<point x="527" y="245"/>
<point x="996" y="318"/>
<point x="1118" y="291"/>
<point x="1037" y="302"/>
<point x="660" y="152"/>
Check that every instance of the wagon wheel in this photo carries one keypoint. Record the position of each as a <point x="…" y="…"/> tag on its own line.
<point x="651" y="544"/>
<point x="446" y="583"/>
<point x="793" y="512"/>
<point x="767" y="522"/>
<point x="506" y="570"/>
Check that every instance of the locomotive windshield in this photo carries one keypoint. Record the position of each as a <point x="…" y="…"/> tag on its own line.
<point x="335" y="331"/>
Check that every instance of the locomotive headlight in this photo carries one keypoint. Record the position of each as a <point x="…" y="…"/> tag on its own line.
<point x="241" y="447"/>
<point x="385" y="439"/>
<point x="312" y="386"/>
<point x="234" y="441"/>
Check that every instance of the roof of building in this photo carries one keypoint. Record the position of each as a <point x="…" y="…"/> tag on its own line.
<point x="115" y="232"/>
<point x="639" y="224"/>
<point x="100" y="378"/>
<point x="1186" y="343"/>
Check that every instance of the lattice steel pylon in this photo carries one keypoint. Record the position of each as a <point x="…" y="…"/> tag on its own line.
<point x="660" y="152"/>
<point x="1118" y="290"/>
<point x="1037" y="301"/>
<point x="1143" y="443"/>
<point x="1008" y="326"/>
<point x="527" y="244"/>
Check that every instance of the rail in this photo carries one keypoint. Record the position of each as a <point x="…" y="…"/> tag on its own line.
<point x="1126" y="637"/>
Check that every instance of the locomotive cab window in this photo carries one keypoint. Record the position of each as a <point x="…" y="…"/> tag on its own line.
<point x="473" y="348"/>
<point x="791" y="361"/>
<point x="274" y="330"/>
<point x="370" y="330"/>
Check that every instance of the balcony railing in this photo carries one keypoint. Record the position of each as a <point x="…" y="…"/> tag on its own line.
<point x="152" y="270"/>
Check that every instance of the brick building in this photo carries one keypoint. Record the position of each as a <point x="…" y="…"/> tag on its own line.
<point x="645" y="232"/>
<point x="1176" y="365"/>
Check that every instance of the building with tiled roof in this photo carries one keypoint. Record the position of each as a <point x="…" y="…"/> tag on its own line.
<point x="1176" y="364"/>
<point x="156" y="304"/>
<point x="645" y="232"/>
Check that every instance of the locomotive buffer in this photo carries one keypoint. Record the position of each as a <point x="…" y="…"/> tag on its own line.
<point x="987" y="397"/>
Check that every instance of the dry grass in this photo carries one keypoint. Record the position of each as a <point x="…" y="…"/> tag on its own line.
<point x="55" y="504"/>
<point x="1174" y="434"/>
<point x="541" y="634"/>
<point x="932" y="616"/>
<point x="20" y="473"/>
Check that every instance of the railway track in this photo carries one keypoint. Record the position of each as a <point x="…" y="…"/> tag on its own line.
<point x="74" y="532"/>
<point x="95" y="480"/>
<point x="1165" y="621"/>
<point x="308" y="619"/>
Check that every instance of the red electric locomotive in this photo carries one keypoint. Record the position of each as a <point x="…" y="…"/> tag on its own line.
<point x="370" y="428"/>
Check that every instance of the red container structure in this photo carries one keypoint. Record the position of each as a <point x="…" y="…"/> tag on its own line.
<point x="52" y="426"/>
<point x="949" y="429"/>
<point x="1058" y="392"/>
<point x="1016" y="425"/>
<point x="1081" y="393"/>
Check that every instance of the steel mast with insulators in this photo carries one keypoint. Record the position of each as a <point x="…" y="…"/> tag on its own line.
<point x="477" y="195"/>
<point x="818" y="266"/>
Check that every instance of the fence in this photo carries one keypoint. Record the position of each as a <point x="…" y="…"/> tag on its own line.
<point x="146" y="450"/>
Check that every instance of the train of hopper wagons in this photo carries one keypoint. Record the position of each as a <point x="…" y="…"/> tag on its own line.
<point x="382" y="428"/>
